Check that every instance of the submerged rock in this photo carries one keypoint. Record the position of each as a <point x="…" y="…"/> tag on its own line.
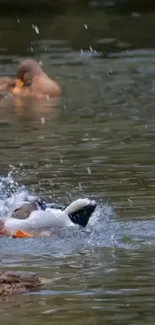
<point x="16" y="282"/>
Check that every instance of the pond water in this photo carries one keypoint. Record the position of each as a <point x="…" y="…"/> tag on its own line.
<point x="97" y="141"/>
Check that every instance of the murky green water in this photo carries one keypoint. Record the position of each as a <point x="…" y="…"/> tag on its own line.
<point x="98" y="141"/>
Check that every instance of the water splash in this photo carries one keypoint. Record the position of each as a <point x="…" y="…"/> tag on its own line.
<point x="103" y="230"/>
<point x="12" y="194"/>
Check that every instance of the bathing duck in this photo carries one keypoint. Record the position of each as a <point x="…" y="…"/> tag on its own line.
<point x="32" y="81"/>
<point x="15" y="282"/>
<point x="36" y="218"/>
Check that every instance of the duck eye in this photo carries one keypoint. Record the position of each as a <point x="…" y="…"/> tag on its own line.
<point x="27" y="84"/>
<point x="16" y="210"/>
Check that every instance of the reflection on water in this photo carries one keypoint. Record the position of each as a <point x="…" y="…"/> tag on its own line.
<point x="97" y="141"/>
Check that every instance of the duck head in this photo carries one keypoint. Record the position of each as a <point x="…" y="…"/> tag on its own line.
<point x="24" y="211"/>
<point x="27" y="70"/>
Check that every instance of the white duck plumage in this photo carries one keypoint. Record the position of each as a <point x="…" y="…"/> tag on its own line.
<point x="48" y="219"/>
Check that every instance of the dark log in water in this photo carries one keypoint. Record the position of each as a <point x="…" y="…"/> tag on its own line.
<point x="61" y="5"/>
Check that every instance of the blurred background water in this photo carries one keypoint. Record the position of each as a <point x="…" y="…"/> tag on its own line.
<point x="96" y="141"/>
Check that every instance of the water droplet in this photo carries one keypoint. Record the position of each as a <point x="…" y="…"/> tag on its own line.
<point x="91" y="49"/>
<point x="85" y="26"/>
<point x="89" y="170"/>
<point x="35" y="27"/>
<point x="18" y="20"/>
<point x="80" y="187"/>
<point x="130" y="201"/>
<point x="42" y="120"/>
<point x="135" y="14"/>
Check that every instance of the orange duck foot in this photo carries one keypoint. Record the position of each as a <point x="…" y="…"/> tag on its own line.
<point x="22" y="234"/>
<point x="33" y="81"/>
<point x="15" y="282"/>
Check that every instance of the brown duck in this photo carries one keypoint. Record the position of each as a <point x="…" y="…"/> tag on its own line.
<point x="32" y="81"/>
<point x="16" y="282"/>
